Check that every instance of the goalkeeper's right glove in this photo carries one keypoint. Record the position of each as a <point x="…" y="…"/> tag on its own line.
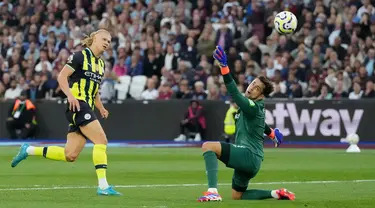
<point x="277" y="137"/>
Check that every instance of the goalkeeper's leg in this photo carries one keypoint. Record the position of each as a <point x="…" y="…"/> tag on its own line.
<point x="257" y="194"/>
<point x="211" y="153"/>
<point x="240" y="182"/>
<point x="74" y="145"/>
<point x="94" y="132"/>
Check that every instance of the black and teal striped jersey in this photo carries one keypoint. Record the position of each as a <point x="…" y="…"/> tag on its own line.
<point x="88" y="74"/>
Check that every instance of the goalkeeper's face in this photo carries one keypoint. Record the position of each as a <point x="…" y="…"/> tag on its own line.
<point x="255" y="90"/>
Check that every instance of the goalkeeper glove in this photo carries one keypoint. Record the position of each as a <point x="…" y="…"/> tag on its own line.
<point x="276" y="136"/>
<point x="220" y="56"/>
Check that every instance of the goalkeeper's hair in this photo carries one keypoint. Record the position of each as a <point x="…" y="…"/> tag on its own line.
<point x="89" y="39"/>
<point x="268" y="85"/>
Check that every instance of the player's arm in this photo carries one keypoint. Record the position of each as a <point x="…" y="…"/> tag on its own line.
<point x="99" y="105"/>
<point x="63" y="81"/>
<point x="74" y="63"/>
<point x="274" y="134"/>
<point x="98" y="102"/>
<point x="246" y="105"/>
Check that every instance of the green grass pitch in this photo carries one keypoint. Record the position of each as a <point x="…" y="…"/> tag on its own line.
<point x="175" y="177"/>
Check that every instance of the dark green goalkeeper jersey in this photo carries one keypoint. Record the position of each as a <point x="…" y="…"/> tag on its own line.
<point x="250" y="119"/>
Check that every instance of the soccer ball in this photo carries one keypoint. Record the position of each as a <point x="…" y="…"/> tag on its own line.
<point x="285" y="22"/>
<point x="352" y="138"/>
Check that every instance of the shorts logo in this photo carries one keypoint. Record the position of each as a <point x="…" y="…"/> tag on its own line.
<point x="87" y="116"/>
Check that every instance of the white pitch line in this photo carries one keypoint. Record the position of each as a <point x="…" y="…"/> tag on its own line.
<point x="40" y="188"/>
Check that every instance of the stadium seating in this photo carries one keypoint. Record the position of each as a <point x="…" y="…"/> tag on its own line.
<point x="137" y="86"/>
<point x="122" y="87"/>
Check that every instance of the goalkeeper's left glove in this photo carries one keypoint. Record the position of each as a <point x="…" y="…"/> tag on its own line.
<point x="220" y="56"/>
<point x="276" y="136"/>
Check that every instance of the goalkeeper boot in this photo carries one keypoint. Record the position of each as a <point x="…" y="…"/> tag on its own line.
<point x="209" y="196"/>
<point x="22" y="155"/>
<point x="284" y="194"/>
<point x="108" y="192"/>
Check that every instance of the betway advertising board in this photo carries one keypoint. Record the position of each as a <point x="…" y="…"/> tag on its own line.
<point x="321" y="120"/>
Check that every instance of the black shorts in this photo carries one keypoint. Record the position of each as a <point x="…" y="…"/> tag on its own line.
<point x="246" y="165"/>
<point x="80" y="118"/>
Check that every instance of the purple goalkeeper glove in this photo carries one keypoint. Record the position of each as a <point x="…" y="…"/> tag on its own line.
<point x="278" y="139"/>
<point x="276" y="136"/>
<point x="220" y="56"/>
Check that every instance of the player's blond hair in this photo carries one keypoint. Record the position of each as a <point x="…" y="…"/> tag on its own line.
<point x="89" y="39"/>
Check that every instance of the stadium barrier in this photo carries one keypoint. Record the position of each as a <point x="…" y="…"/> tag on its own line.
<point x="299" y="120"/>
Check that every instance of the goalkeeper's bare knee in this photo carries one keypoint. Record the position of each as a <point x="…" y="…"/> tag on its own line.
<point x="212" y="146"/>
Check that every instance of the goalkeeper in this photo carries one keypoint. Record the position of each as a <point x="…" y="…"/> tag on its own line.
<point x="246" y="155"/>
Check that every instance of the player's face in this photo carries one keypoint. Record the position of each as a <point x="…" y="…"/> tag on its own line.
<point x="103" y="40"/>
<point x="255" y="90"/>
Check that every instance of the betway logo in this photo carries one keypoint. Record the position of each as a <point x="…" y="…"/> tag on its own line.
<point x="328" y="121"/>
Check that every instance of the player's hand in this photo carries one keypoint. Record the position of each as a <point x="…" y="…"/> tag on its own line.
<point x="73" y="104"/>
<point x="104" y="113"/>
<point x="278" y="139"/>
<point x="220" y="56"/>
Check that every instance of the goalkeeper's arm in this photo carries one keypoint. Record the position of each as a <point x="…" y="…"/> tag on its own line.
<point x="246" y="105"/>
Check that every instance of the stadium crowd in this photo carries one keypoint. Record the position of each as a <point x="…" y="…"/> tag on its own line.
<point x="330" y="56"/>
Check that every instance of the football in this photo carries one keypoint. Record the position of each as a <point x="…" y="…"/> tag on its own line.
<point x="285" y="22"/>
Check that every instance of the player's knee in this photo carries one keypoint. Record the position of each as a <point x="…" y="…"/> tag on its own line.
<point x="210" y="146"/>
<point x="71" y="156"/>
<point x="206" y="146"/>
<point x="236" y="195"/>
<point x="102" y="139"/>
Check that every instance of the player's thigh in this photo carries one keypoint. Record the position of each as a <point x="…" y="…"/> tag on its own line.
<point x="212" y="146"/>
<point x="240" y="158"/>
<point x="87" y="124"/>
<point x="74" y="145"/>
<point x="240" y="182"/>
<point x="94" y="132"/>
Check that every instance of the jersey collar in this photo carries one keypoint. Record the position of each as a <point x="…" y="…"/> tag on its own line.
<point x="91" y="53"/>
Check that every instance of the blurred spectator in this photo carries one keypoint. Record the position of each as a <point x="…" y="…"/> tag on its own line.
<point x="184" y="91"/>
<point x="165" y="92"/>
<point x="369" y="91"/>
<point x="13" y="92"/>
<point x="339" y="91"/>
<point x="325" y="93"/>
<point x="151" y="93"/>
<point x="213" y="93"/>
<point x="199" y="93"/>
<point x="223" y="93"/>
<point x="21" y="117"/>
<point x="356" y="93"/>
<point x="151" y="66"/>
<point x="194" y="121"/>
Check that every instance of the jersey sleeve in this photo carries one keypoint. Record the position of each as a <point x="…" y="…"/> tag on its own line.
<point x="75" y="61"/>
<point x="246" y="105"/>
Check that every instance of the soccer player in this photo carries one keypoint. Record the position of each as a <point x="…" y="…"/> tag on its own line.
<point x="246" y="155"/>
<point x="80" y="80"/>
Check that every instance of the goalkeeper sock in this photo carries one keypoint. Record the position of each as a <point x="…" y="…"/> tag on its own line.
<point x="51" y="152"/>
<point x="254" y="194"/>
<point x="99" y="157"/>
<point x="211" y="169"/>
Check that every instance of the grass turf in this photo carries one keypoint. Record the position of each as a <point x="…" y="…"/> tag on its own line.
<point x="31" y="184"/>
